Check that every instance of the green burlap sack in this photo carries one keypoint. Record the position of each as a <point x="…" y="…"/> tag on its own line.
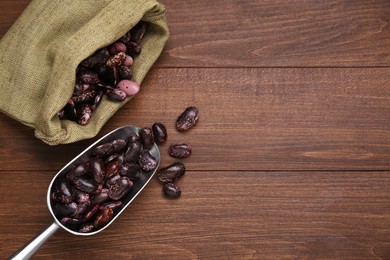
<point x="40" y="53"/>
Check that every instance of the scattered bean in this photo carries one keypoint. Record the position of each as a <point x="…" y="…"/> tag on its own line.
<point x="159" y="133"/>
<point x="180" y="150"/>
<point x="171" y="173"/>
<point x="187" y="119"/>
<point x="171" y="190"/>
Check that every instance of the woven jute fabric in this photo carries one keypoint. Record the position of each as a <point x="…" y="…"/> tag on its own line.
<point x="40" y="52"/>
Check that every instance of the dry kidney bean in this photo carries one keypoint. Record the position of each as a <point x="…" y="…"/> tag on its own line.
<point x="116" y="94"/>
<point x="97" y="169"/>
<point x="77" y="171"/>
<point x="147" y="161"/>
<point x="187" y="119"/>
<point x="180" y="150"/>
<point x="125" y="73"/>
<point x="84" y="114"/>
<point x="119" y="188"/>
<point x="171" y="173"/>
<point x="159" y="133"/>
<point x="87" y="76"/>
<point x="101" y="73"/>
<point x="146" y="137"/>
<point x="63" y="210"/>
<point x="85" y="184"/>
<point x="99" y="57"/>
<point x="133" y="152"/>
<point x="171" y="190"/>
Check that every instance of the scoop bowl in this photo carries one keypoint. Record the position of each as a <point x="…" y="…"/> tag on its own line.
<point x="120" y="133"/>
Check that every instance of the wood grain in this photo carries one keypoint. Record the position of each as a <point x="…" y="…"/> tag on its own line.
<point x="257" y="119"/>
<point x="277" y="33"/>
<point x="272" y="33"/>
<point x="291" y="157"/>
<point x="242" y="215"/>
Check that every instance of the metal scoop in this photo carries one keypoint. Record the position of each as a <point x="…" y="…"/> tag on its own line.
<point x="120" y="133"/>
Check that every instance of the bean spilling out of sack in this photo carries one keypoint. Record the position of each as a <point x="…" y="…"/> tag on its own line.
<point x="106" y="72"/>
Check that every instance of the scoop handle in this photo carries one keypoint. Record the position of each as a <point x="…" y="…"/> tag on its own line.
<point x="31" y="247"/>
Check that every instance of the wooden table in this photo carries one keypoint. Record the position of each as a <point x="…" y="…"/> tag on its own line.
<point x="291" y="157"/>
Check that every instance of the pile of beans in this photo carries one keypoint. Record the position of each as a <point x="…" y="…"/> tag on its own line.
<point x="106" y="72"/>
<point x="89" y="195"/>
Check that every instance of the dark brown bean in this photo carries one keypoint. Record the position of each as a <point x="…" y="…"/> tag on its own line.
<point x="89" y="215"/>
<point x="125" y="73"/>
<point x="82" y="208"/>
<point x="159" y="133"/>
<point x="103" y="218"/>
<point x="97" y="100"/>
<point x="87" y="76"/>
<point x="100" y="198"/>
<point x="111" y="180"/>
<point x="171" y="173"/>
<point x="126" y="37"/>
<point x="84" y="114"/>
<point x="102" y="71"/>
<point x="133" y="152"/>
<point x="187" y="119"/>
<point x="147" y="161"/>
<point x="64" y="210"/>
<point x="62" y="192"/>
<point x="77" y="171"/>
<point x="113" y="76"/>
<point x="80" y="88"/>
<point x="79" y="196"/>
<point x="97" y="169"/>
<point x="116" y="94"/>
<point x="87" y="96"/>
<point x="120" y="188"/>
<point x="85" y="184"/>
<point x="171" y="190"/>
<point x="133" y="49"/>
<point x="133" y="171"/>
<point x="99" y="57"/>
<point x="138" y="32"/>
<point x="146" y="137"/>
<point x="180" y="150"/>
<point x="112" y="168"/>
<point x="103" y="149"/>
<point x="118" y="145"/>
<point x="133" y="138"/>
<point x="69" y="111"/>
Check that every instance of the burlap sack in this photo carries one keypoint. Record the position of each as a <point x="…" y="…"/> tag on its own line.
<point x="40" y="53"/>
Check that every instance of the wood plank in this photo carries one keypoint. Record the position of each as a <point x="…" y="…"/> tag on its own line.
<point x="277" y="33"/>
<point x="221" y="215"/>
<point x="257" y="119"/>
<point x="9" y="12"/>
<point x="273" y="33"/>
